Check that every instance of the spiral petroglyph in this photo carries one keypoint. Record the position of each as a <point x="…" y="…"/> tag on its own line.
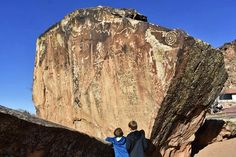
<point x="171" y="37"/>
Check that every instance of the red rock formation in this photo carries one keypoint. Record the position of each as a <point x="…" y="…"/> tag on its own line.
<point x="23" y="135"/>
<point x="101" y="67"/>
<point x="229" y="50"/>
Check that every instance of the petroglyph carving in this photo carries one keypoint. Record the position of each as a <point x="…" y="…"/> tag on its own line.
<point x="171" y="38"/>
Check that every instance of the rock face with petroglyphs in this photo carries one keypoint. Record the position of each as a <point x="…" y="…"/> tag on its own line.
<point x="101" y="67"/>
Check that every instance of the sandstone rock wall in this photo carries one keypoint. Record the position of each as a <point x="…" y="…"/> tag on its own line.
<point x="99" y="68"/>
<point x="22" y="135"/>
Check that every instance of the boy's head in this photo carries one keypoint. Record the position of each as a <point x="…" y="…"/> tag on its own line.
<point x="133" y="125"/>
<point x="118" y="132"/>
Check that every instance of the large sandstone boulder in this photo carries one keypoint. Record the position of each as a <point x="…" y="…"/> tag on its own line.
<point x="23" y="135"/>
<point x="99" y="68"/>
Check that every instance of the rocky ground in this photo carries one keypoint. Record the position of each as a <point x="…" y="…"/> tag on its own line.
<point x="24" y="135"/>
<point x="222" y="146"/>
<point x="219" y="149"/>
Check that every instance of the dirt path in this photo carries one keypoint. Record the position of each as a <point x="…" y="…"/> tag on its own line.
<point x="220" y="149"/>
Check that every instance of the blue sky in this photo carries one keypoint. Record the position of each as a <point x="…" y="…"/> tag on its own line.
<point x="22" y="21"/>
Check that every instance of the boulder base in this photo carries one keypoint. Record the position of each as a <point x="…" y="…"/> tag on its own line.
<point x="22" y="134"/>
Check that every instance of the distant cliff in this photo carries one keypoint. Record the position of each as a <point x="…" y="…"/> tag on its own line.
<point x="229" y="50"/>
<point x="99" y="68"/>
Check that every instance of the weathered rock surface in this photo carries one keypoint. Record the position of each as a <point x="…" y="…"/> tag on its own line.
<point x="23" y="135"/>
<point x="229" y="50"/>
<point x="99" y="68"/>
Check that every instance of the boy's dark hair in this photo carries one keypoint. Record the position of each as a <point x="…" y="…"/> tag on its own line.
<point x="133" y="125"/>
<point x="118" y="132"/>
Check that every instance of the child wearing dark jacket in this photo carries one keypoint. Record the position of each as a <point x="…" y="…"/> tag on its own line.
<point x="136" y="142"/>
<point x="119" y="143"/>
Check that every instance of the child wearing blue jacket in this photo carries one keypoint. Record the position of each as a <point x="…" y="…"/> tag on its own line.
<point x="119" y="143"/>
